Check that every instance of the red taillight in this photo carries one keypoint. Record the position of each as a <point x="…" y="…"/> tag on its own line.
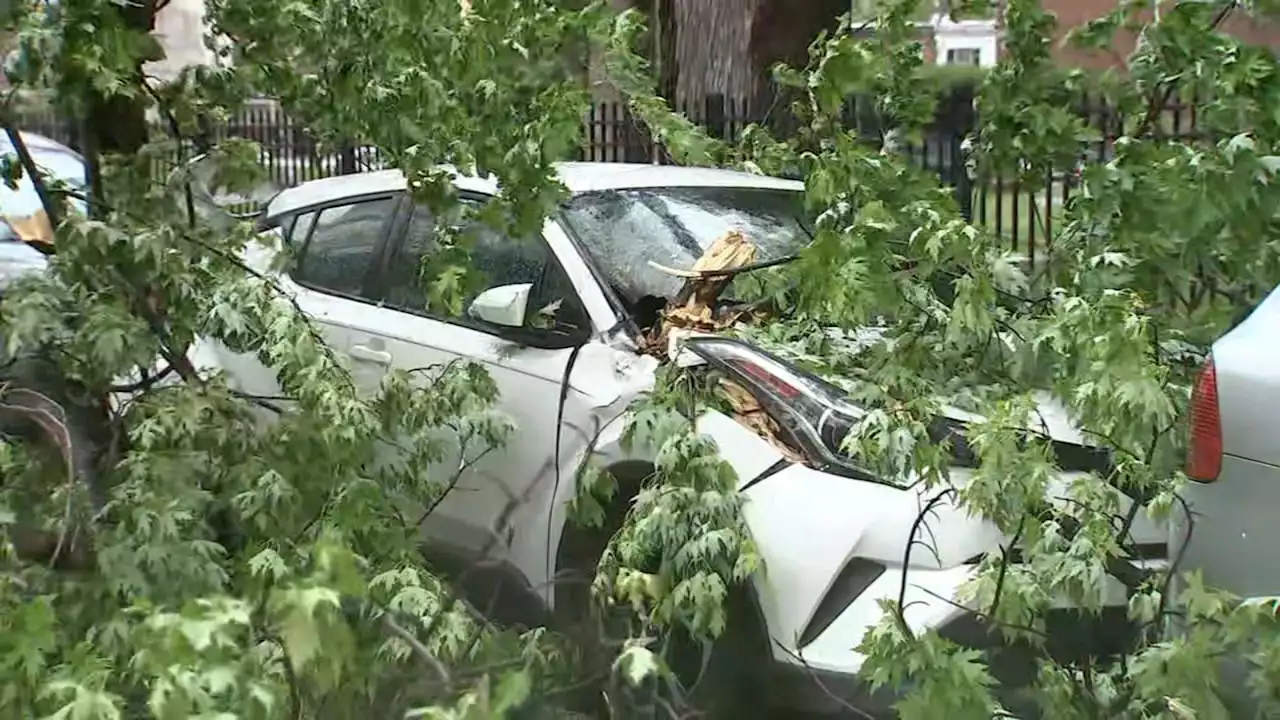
<point x="1204" y="452"/>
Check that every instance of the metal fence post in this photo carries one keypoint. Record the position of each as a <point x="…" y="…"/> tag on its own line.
<point x="715" y="116"/>
<point x="347" y="159"/>
<point x="957" y="122"/>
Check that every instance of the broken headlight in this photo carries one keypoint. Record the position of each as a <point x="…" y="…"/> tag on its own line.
<point x="814" y="415"/>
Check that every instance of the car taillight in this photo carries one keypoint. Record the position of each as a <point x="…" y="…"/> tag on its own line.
<point x="1204" y="451"/>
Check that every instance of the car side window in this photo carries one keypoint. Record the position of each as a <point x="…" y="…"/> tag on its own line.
<point x="301" y="229"/>
<point x="341" y="245"/>
<point x="495" y="260"/>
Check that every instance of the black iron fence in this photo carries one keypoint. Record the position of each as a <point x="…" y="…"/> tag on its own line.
<point x="1025" y="217"/>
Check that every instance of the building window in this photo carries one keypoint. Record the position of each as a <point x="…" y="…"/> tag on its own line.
<point x="964" y="56"/>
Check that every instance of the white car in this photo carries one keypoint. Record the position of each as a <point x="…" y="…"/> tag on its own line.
<point x="833" y="541"/>
<point x="20" y="204"/>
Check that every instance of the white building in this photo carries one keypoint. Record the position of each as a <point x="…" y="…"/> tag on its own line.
<point x="180" y="29"/>
<point x="965" y="42"/>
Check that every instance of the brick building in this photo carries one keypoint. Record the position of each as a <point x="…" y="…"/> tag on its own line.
<point x="1073" y="13"/>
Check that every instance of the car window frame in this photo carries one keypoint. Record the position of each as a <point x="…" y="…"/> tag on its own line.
<point x="370" y="286"/>
<point x="524" y="335"/>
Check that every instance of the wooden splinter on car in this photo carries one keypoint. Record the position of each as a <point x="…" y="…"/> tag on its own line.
<point x="693" y="308"/>
<point x="34" y="228"/>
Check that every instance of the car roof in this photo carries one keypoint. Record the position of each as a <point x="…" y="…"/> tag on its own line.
<point x="578" y="177"/>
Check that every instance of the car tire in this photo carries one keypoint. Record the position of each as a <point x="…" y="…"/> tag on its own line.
<point x="733" y="684"/>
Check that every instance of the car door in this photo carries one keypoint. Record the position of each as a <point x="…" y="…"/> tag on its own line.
<point x="336" y="250"/>
<point x="528" y="364"/>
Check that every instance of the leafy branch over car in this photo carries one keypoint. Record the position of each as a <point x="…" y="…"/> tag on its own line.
<point x="493" y="434"/>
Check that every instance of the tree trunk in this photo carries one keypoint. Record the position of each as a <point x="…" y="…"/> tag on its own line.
<point x="118" y="123"/>
<point x="713" y="50"/>
<point x="729" y="47"/>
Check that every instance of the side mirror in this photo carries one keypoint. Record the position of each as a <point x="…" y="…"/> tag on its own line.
<point x="504" y="305"/>
<point x="215" y="203"/>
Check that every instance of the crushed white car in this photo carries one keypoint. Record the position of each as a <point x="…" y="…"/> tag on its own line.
<point x="833" y="541"/>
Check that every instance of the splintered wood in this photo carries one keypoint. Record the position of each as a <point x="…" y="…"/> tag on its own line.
<point x="747" y="410"/>
<point x="34" y="228"/>
<point x="694" y="307"/>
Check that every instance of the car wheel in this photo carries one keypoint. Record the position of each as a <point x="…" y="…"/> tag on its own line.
<point x="725" y="681"/>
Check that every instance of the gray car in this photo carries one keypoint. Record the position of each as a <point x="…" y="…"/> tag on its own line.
<point x="1233" y="461"/>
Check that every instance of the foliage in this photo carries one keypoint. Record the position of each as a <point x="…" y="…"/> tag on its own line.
<point x="210" y="552"/>
<point x="258" y="556"/>
<point x="1153" y="264"/>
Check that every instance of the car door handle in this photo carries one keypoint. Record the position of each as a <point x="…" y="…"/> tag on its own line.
<point x="364" y="353"/>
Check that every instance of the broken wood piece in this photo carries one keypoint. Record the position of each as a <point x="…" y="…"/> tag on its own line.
<point x="731" y="250"/>
<point x="748" y="412"/>
<point x="693" y="312"/>
<point x="34" y="228"/>
<point x="694" y="306"/>
<point x="724" y="272"/>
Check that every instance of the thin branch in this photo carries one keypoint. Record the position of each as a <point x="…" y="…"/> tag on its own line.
<point x="1004" y="565"/>
<point x="422" y="651"/>
<point x="823" y="687"/>
<point x="29" y="168"/>
<point x="906" y="555"/>
<point x="497" y="530"/>
<point x="295" y="691"/>
<point x="981" y="615"/>
<point x="146" y="383"/>
<point x="463" y="466"/>
<point x="1172" y="571"/>
<point x="1161" y="98"/>
<point x="262" y="402"/>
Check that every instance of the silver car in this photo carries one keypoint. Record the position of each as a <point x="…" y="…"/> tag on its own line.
<point x="1233" y="460"/>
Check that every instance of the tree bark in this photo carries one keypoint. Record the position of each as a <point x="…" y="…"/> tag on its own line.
<point x="729" y="47"/>
<point x="713" y="50"/>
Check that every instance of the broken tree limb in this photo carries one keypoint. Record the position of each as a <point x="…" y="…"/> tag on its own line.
<point x="694" y="307"/>
<point x="694" y="311"/>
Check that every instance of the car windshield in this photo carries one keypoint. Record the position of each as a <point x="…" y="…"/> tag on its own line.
<point x="624" y="230"/>
<point x="55" y="160"/>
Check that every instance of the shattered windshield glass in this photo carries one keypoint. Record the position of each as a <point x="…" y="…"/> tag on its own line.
<point x="625" y="230"/>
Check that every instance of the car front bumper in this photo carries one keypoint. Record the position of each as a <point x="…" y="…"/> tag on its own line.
<point x="825" y="676"/>
<point x="835" y="549"/>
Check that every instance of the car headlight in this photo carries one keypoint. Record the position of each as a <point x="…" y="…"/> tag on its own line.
<point x="814" y="414"/>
